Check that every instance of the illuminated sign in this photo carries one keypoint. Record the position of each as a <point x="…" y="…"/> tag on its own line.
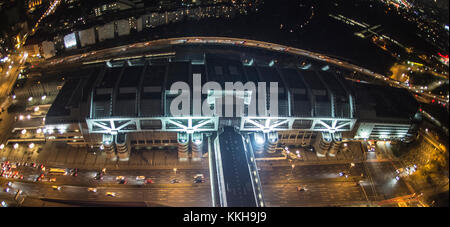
<point x="70" y="41"/>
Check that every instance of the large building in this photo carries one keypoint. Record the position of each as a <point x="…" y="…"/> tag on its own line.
<point x="117" y="106"/>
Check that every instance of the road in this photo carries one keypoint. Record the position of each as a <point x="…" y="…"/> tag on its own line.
<point x="236" y="173"/>
<point x="324" y="186"/>
<point x="189" y="196"/>
<point x="160" y="193"/>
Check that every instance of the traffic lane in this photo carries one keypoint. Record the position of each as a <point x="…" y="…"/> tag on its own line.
<point x="237" y="178"/>
<point x="283" y="173"/>
<point x="383" y="177"/>
<point x="316" y="194"/>
<point x="163" y="176"/>
<point x="197" y="195"/>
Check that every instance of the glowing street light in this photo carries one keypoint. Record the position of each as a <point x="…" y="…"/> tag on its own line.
<point x="36" y="109"/>
<point x="2" y="146"/>
<point x="31" y="145"/>
<point x="16" y="145"/>
<point x="30" y="99"/>
<point x="24" y="131"/>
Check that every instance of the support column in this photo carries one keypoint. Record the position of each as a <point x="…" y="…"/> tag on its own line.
<point x="108" y="146"/>
<point x="258" y="142"/>
<point x="272" y="141"/>
<point x="197" y="145"/>
<point x="123" y="147"/>
<point x="183" y="146"/>
<point x="324" y="144"/>
<point x="336" y="144"/>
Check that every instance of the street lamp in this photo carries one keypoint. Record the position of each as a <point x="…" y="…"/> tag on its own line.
<point x="175" y="170"/>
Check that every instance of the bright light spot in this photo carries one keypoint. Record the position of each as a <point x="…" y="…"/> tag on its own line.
<point x="198" y="142"/>
<point x="28" y="117"/>
<point x="30" y="99"/>
<point x="36" y="109"/>
<point x="102" y="147"/>
<point x="38" y="130"/>
<point x="43" y="97"/>
<point x="21" y="117"/>
<point x="2" y="146"/>
<point x="31" y="145"/>
<point x="24" y="131"/>
<point x="16" y="145"/>
<point x="259" y="138"/>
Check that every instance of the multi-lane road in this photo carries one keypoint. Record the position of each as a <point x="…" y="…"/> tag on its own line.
<point x="74" y="189"/>
<point x="325" y="187"/>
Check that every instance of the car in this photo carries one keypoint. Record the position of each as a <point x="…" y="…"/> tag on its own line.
<point x="56" y="187"/>
<point x="99" y="176"/>
<point x="199" y="178"/>
<point x="301" y="189"/>
<point x="92" y="189"/>
<point x="75" y="172"/>
<point x="149" y="181"/>
<point x="123" y="181"/>
<point x="112" y="194"/>
<point x="120" y="178"/>
<point x="140" y="178"/>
